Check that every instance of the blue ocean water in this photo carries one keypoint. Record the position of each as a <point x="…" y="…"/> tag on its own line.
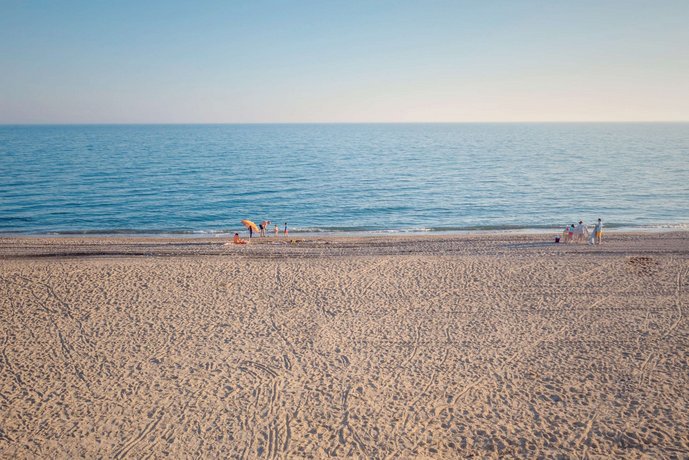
<point x="341" y="177"/>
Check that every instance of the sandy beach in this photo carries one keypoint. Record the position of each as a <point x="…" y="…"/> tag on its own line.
<point x="442" y="346"/>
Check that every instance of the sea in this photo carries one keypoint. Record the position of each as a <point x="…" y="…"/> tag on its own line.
<point x="342" y="178"/>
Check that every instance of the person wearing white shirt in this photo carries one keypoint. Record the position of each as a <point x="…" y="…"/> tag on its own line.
<point x="581" y="232"/>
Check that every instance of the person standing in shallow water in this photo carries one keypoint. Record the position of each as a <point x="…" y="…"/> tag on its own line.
<point x="277" y="230"/>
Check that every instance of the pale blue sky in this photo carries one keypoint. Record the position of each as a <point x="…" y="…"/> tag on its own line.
<point x="343" y="61"/>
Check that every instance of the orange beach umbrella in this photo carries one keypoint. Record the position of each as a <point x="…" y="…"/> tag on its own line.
<point x="250" y="225"/>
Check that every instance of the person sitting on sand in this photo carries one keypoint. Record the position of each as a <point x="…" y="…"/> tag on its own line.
<point x="238" y="240"/>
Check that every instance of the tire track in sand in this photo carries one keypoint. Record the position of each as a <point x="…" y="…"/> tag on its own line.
<point x="132" y="442"/>
<point x="644" y="370"/>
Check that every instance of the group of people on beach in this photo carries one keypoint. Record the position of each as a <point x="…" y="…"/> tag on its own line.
<point x="262" y="227"/>
<point x="579" y="233"/>
<point x="575" y="233"/>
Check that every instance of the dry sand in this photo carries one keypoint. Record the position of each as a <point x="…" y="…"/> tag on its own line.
<point x="439" y="346"/>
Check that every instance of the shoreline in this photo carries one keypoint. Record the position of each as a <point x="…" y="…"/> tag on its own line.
<point x="194" y="234"/>
<point x="321" y="245"/>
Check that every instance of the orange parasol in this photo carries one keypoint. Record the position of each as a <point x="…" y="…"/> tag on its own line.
<point x="248" y="224"/>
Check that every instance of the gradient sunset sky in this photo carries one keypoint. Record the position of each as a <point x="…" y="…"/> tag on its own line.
<point x="343" y="61"/>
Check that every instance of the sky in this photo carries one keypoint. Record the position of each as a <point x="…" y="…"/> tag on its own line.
<point x="253" y="61"/>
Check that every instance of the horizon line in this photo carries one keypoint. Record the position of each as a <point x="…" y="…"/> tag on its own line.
<point x="341" y="123"/>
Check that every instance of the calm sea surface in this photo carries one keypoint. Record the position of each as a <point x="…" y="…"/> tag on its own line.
<point x="367" y="177"/>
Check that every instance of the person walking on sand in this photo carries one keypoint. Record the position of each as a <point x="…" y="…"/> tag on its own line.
<point x="277" y="230"/>
<point x="598" y="232"/>
<point x="264" y="227"/>
<point x="581" y="232"/>
<point x="286" y="229"/>
<point x="565" y="235"/>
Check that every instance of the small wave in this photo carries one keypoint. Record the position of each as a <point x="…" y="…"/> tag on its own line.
<point x="344" y="230"/>
<point x="678" y="226"/>
<point x="130" y="231"/>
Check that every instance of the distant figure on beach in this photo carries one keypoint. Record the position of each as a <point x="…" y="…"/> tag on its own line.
<point x="285" y="228"/>
<point x="565" y="235"/>
<point x="598" y="232"/>
<point x="277" y="230"/>
<point x="250" y="226"/>
<point x="238" y="240"/>
<point x="570" y="233"/>
<point x="581" y="232"/>
<point x="263" y="227"/>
